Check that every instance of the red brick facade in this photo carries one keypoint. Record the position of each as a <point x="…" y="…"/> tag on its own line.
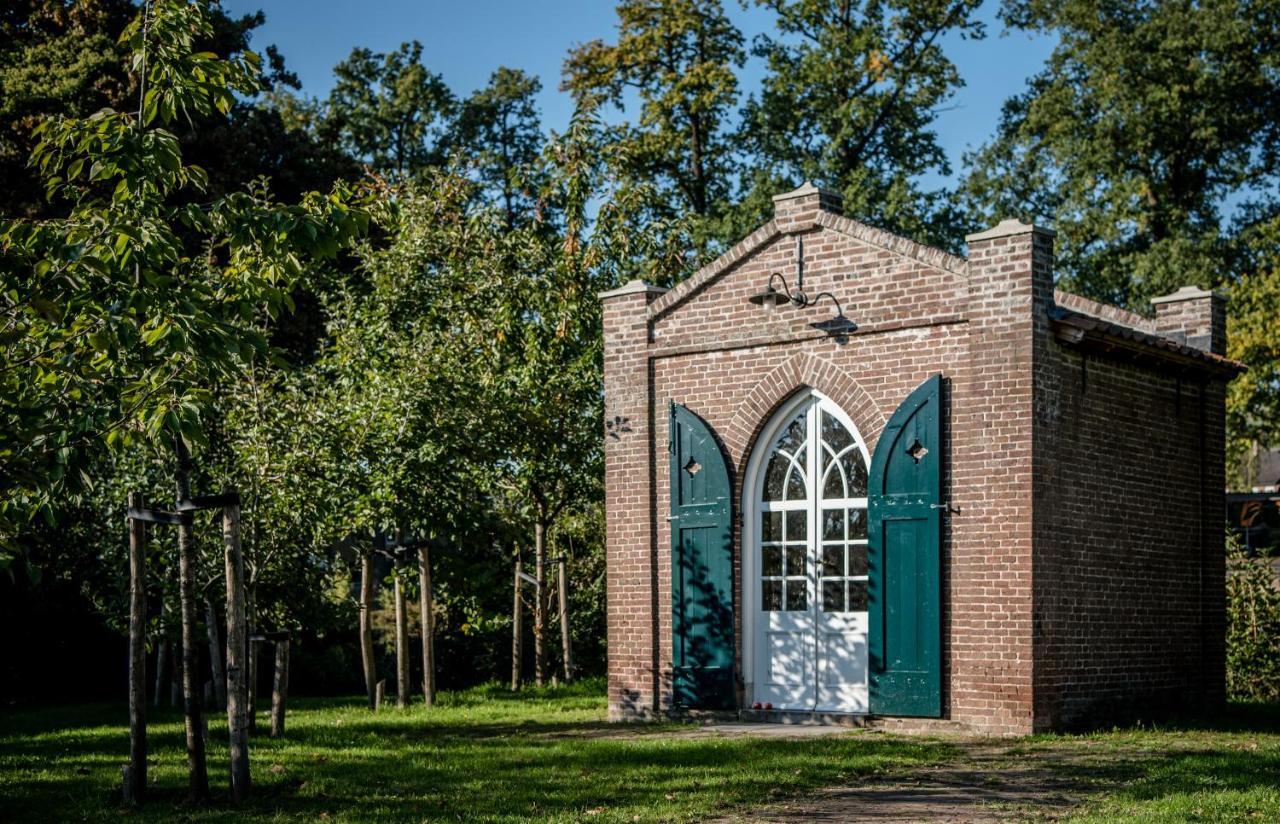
<point x="1082" y="566"/>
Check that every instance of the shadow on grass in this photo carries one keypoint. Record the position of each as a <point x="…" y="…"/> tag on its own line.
<point x="484" y="755"/>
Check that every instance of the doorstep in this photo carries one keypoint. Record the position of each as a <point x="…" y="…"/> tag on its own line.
<point x="806" y="717"/>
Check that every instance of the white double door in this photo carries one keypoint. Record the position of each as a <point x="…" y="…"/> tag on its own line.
<point x="810" y="561"/>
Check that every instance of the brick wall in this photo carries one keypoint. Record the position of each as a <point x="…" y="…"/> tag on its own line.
<point x="1013" y="627"/>
<point x="1129" y="570"/>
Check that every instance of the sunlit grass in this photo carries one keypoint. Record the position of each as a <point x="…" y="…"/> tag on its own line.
<point x="481" y="755"/>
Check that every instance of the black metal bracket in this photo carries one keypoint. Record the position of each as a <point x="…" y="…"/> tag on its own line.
<point x="158" y="516"/>
<point x="197" y="502"/>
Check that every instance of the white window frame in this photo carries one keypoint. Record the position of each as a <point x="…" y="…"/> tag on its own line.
<point x="751" y="508"/>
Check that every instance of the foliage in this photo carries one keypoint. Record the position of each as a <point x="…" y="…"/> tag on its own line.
<point x="118" y="320"/>
<point x="499" y="132"/>
<point x="1253" y="311"/>
<point x="1253" y="626"/>
<point x="678" y="57"/>
<point x="849" y="99"/>
<point x="1148" y="125"/>
<point x="391" y="112"/>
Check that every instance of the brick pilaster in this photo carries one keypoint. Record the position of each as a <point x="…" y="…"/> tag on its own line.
<point x="1194" y="317"/>
<point x="629" y="523"/>
<point x="1010" y="286"/>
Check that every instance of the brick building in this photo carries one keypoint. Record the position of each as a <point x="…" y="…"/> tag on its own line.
<point x="965" y="496"/>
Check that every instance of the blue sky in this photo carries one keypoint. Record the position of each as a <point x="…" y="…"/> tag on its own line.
<point x="465" y="40"/>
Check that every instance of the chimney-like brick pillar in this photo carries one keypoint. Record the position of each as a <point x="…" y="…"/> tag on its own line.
<point x="994" y="468"/>
<point x="797" y="210"/>
<point x="1194" y="317"/>
<point x="628" y="482"/>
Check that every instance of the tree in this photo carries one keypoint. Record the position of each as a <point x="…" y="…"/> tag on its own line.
<point x="119" y="319"/>
<point x="1253" y="312"/>
<point x="56" y="57"/>
<point x="390" y="112"/>
<point x="1149" y="121"/>
<point x="500" y="135"/>
<point x="549" y="358"/>
<point x="849" y="100"/>
<point x="679" y="57"/>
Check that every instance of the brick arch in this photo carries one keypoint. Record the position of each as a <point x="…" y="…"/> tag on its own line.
<point x="804" y="370"/>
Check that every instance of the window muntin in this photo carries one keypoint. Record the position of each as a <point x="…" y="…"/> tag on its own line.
<point x="839" y="507"/>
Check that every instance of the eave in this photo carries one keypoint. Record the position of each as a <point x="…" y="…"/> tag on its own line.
<point x="1092" y="334"/>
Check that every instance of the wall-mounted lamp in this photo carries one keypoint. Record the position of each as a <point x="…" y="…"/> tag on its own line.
<point x="771" y="297"/>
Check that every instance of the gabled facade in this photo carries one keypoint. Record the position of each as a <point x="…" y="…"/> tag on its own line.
<point x="973" y="498"/>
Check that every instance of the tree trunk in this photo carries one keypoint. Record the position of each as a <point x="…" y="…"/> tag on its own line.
<point x="135" y="777"/>
<point x="517" y="616"/>
<point x="366" y="627"/>
<point x="237" y="653"/>
<point x="217" y="674"/>
<point x="428" y="626"/>
<point x="540" y="603"/>
<point x="280" y="689"/>
<point x="162" y="650"/>
<point x="197" y="772"/>
<point x="566" y="646"/>
<point x="402" y="647"/>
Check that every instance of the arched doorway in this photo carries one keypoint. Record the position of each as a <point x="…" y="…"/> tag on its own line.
<point x="805" y="560"/>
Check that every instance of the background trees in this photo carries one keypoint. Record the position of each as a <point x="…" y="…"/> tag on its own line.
<point x="849" y="99"/>
<point x="678" y="57"/>
<point x="441" y="377"/>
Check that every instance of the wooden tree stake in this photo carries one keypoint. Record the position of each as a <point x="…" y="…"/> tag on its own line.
<point x="540" y="604"/>
<point x="162" y="649"/>
<point x="517" y="611"/>
<point x="366" y="628"/>
<point x="135" y="775"/>
<point x="215" y="655"/>
<point x="280" y="689"/>
<point x="237" y="654"/>
<point x="197" y="772"/>
<point x="428" y="626"/>
<point x="402" y="647"/>
<point x="562" y="586"/>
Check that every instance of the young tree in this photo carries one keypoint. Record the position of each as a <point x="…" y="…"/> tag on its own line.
<point x="849" y="100"/>
<point x="1147" y="123"/>
<point x="547" y="386"/>
<point x="679" y="57"/>
<point x="120" y="318"/>
<point x="500" y="136"/>
<point x="390" y="112"/>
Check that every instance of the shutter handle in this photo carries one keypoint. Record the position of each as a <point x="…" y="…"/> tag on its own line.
<point x="945" y="506"/>
<point x="673" y="518"/>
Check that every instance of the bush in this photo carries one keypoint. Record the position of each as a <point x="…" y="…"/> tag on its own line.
<point x="1253" y="626"/>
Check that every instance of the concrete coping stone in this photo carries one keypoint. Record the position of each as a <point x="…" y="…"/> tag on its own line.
<point x="1185" y="293"/>
<point x="1007" y="228"/>
<point x="633" y="287"/>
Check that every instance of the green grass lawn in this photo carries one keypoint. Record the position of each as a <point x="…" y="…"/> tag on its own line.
<point x="1224" y="770"/>
<point x="482" y="755"/>
<point x="487" y="755"/>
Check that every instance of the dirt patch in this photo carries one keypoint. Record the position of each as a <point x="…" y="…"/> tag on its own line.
<point x="991" y="781"/>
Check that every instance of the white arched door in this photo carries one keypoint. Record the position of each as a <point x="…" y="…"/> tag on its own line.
<point x="806" y="563"/>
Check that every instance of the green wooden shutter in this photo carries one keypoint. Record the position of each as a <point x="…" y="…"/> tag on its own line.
<point x="701" y="567"/>
<point x="905" y="516"/>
